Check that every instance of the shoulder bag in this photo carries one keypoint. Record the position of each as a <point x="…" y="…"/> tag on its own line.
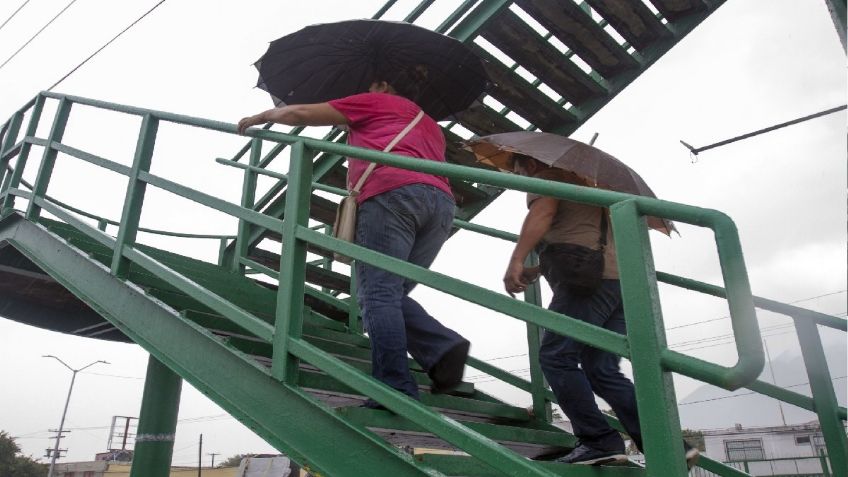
<point x="576" y="267"/>
<point x="344" y="227"/>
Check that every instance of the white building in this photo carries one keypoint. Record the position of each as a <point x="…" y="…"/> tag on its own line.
<point x="767" y="451"/>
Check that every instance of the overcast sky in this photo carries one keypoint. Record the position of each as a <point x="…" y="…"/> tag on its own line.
<point x="752" y="64"/>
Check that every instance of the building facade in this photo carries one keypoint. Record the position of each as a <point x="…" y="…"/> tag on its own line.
<point x="793" y="450"/>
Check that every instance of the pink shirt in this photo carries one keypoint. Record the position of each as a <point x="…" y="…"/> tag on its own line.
<point x="374" y="119"/>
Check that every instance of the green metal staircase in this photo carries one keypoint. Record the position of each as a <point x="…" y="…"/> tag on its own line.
<point x="552" y="65"/>
<point x="285" y="354"/>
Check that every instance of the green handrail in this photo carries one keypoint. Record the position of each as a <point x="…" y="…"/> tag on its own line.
<point x="638" y="282"/>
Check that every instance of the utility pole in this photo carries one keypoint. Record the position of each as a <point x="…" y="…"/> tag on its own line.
<point x="774" y="381"/>
<point x="200" y="457"/>
<point x="213" y="454"/>
<point x="55" y="454"/>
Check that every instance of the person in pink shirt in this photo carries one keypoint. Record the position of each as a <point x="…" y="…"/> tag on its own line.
<point x="403" y="214"/>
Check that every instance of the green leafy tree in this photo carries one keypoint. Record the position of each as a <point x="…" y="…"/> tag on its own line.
<point x="234" y="461"/>
<point x="14" y="465"/>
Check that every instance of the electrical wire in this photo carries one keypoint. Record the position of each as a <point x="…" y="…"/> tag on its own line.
<point x="749" y="393"/>
<point x="727" y="317"/>
<point x="38" y="33"/>
<point x="111" y="375"/>
<point x="13" y="14"/>
<point x="105" y="45"/>
<point x="694" y="323"/>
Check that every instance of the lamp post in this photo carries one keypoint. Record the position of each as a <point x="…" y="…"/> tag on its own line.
<point x="55" y="452"/>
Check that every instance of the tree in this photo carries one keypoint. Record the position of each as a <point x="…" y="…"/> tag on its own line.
<point x="14" y="465"/>
<point x="234" y="461"/>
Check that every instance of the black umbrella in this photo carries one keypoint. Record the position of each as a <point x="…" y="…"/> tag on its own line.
<point x="333" y="60"/>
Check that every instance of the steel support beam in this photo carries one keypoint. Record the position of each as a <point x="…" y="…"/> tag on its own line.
<point x="837" y="13"/>
<point x="242" y="387"/>
<point x="157" y="423"/>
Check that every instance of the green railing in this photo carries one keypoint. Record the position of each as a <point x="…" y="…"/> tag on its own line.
<point x="652" y="360"/>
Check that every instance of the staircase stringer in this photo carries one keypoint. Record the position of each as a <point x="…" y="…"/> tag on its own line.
<point x="286" y="417"/>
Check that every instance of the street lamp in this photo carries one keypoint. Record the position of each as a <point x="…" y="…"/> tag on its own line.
<point x="55" y="452"/>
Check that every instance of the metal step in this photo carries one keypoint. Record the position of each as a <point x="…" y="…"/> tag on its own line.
<point x="571" y="25"/>
<point x="464" y="466"/>
<point x="632" y="20"/>
<point x="518" y="40"/>
<point x="400" y="431"/>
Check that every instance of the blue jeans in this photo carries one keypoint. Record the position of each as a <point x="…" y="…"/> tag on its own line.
<point x="575" y="371"/>
<point x="410" y="223"/>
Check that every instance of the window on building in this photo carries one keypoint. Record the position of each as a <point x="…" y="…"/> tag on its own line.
<point x="819" y="444"/>
<point x="802" y="440"/>
<point x="744" y="449"/>
<point x="88" y="473"/>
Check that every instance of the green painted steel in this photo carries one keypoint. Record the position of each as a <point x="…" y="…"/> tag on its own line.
<point x="824" y="396"/>
<point x="499" y="459"/>
<point x="652" y="361"/>
<point x="541" y="405"/>
<point x="248" y="197"/>
<point x="7" y="141"/>
<point x="655" y="396"/>
<point x="579" y="330"/>
<point x="467" y="467"/>
<point x="471" y="25"/>
<point x="131" y="216"/>
<point x="239" y="385"/>
<point x="7" y="202"/>
<point x="48" y="160"/>
<point x="157" y="422"/>
<point x="838" y="12"/>
<point x="354" y="318"/>
<point x="289" y="319"/>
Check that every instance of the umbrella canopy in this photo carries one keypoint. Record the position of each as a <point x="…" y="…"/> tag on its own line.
<point x="591" y="165"/>
<point x="334" y="60"/>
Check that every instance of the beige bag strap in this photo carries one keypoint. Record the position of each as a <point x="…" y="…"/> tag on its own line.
<point x="388" y="148"/>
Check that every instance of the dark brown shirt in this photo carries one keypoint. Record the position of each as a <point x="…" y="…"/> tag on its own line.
<point x="578" y="224"/>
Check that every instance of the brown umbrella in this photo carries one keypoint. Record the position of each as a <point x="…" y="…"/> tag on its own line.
<point x="595" y="167"/>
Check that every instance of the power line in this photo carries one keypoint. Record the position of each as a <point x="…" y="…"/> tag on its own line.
<point x="113" y="375"/>
<point x="38" y="33"/>
<point x="727" y="316"/>
<point x="734" y="342"/>
<point x="726" y="336"/>
<point x="13" y="14"/>
<point x="696" y="323"/>
<point x="105" y="45"/>
<point x="749" y="393"/>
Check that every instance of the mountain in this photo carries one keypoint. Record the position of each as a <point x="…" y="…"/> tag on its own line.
<point x="709" y="407"/>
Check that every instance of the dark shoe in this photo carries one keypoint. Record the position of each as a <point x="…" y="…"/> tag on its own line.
<point x="692" y="455"/>
<point x="372" y="404"/>
<point x="446" y="374"/>
<point x="586" y="455"/>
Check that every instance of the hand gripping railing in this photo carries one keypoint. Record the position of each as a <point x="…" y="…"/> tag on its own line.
<point x="652" y="361"/>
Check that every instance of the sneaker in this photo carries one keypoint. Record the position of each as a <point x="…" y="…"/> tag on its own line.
<point x="446" y="374"/>
<point x="586" y="455"/>
<point x="692" y="455"/>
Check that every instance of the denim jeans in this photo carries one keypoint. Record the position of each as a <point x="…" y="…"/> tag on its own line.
<point x="410" y="223"/>
<point x="575" y="371"/>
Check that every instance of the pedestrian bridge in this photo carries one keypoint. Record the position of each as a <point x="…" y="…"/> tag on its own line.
<point x="285" y="354"/>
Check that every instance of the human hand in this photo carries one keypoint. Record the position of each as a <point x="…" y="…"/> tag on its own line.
<point x="248" y="122"/>
<point x="515" y="278"/>
<point x="531" y="274"/>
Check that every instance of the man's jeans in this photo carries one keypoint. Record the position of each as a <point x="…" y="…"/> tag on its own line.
<point x="575" y="370"/>
<point x="410" y="223"/>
